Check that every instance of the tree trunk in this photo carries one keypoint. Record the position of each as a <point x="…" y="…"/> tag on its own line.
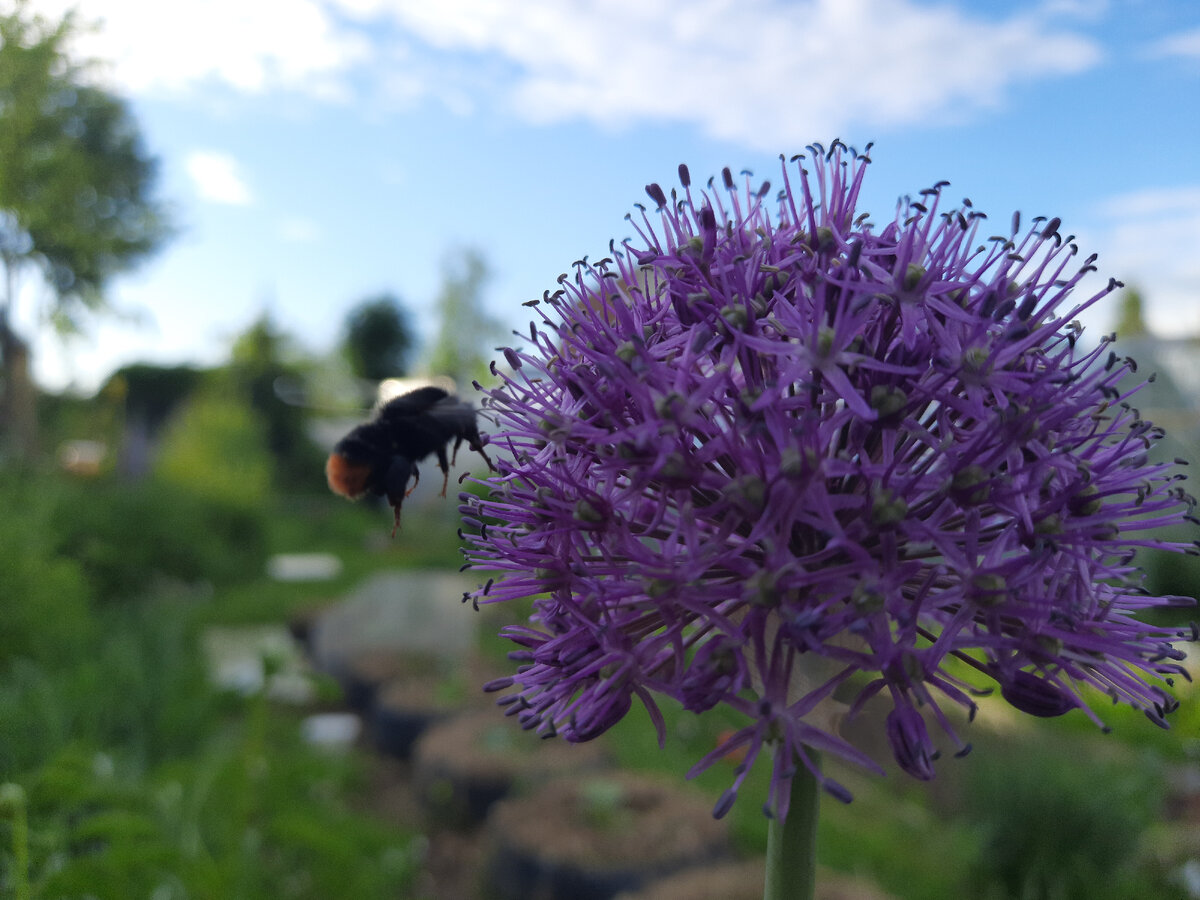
<point x="18" y="398"/>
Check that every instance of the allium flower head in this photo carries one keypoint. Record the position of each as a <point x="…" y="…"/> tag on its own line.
<point x="758" y="457"/>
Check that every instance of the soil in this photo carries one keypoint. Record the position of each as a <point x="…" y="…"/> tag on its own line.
<point x="594" y="835"/>
<point x="457" y="861"/>
<point x="649" y="827"/>
<point x="453" y="860"/>
<point x="363" y="676"/>
<point x="463" y="765"/>
<point x="637" y="818"/>
<point x="744" y="881"/>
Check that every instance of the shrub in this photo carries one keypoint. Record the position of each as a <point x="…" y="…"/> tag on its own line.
<point x="45" y="596"/>
<point x="1048" y="831"/>
<point x="216" y="448"/>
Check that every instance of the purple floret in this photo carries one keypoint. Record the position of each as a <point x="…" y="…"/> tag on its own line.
<point x="754" y="458"/>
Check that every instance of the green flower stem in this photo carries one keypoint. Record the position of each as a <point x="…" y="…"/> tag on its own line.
<point x="792" y="845"/>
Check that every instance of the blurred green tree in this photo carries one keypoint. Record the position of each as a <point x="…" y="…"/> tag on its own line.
<point x="1131" y="320"/>
<point x="152" y="392"/>
<point x="217" y="448"/>
<point x="377" y="338"/>
<point x="460" y="349"/>
<point x="76" y="192"/>
<point x="267" y="371"/>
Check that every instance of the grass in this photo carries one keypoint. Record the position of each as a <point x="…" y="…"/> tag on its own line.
<point x="142" y="779"/>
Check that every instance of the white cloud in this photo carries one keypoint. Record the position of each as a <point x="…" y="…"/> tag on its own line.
<point x="1153" y="204"/>
<point x="1185" y="43"/>
<point x="216" y="178"/>
<point x="248" y="45"/>
<point x="767" y="73"/>
<point x="763" y="72"/>
<point x="1151" y="239"/>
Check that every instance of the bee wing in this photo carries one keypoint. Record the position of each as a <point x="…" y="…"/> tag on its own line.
<point x="458" y="417"/>
<point x="414" y="403"/>
<point x="452" y="413"/>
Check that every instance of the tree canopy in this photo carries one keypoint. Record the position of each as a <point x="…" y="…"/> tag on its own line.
<point x="460" y="349"/>
<point x="377" y="338"/>
<point x="77" y="186"/>
<point x="76" y="183"/>
<point x="1131" y="321"/>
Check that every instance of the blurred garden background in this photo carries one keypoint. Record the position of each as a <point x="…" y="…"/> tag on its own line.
<point x="172" y="725"/>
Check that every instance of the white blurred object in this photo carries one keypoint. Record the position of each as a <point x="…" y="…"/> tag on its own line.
<point x="82" y="457"/>
<point x="238" y="658"/>
<point x="1189" y="874"/>
<point x="391" y="388"/>
<point x="333" y="731"/>
<point x="304" y="566"/>
<point x="407" y="611"/>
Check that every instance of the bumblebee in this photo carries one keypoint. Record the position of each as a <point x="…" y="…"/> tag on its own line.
<point x="380" y="457"/>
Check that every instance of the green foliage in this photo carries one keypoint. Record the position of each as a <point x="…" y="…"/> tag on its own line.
<point x="138" y="685"/>
<point x="1172" y="573"/>
<point x="1128" y="727"/>
<point x="13" y="806"/>
<point x="155" y="703"/>
<point x="461" y="349"/>
<point x="427" y="540"/>
<point x="264" y="375"/>
<point x="45" y="596"/>
<point x="67" y="417"/>
<point x="76" y="184"/>
<point x="1131" y="320"/>
<point x="216" y="448"/>
<point x="141" y="779"/>
<point x="1054" y="829"/>
<point x="224" y="823"/>
<point x="181" y="533"/>
<point x="891" y="833"/>
<point x="377" y="338"/>
<point x="151" y="392"/>
<point x="76" y="190"/>
<point x="1063" y="813"/>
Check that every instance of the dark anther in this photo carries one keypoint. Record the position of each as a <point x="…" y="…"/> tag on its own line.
<point x="657" y="195"/>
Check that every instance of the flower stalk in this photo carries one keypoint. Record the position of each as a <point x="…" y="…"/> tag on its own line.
<point x="792" y="842"/>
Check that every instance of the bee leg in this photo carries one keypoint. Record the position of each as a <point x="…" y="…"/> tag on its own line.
<point x="416" y="475"/>
<point x="477" y="446"/>
<point x="454" y="455"/>
<point x="395" y="483"/>
<point x="445" y="467"/>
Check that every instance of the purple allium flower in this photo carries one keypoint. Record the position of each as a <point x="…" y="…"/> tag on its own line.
<point x="755" y="458"/>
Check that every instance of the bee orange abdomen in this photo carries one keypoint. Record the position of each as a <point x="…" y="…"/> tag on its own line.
<point x="345" y="477"/>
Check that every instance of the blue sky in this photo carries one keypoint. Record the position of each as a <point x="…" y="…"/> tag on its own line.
<point x="319" y="151"/>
